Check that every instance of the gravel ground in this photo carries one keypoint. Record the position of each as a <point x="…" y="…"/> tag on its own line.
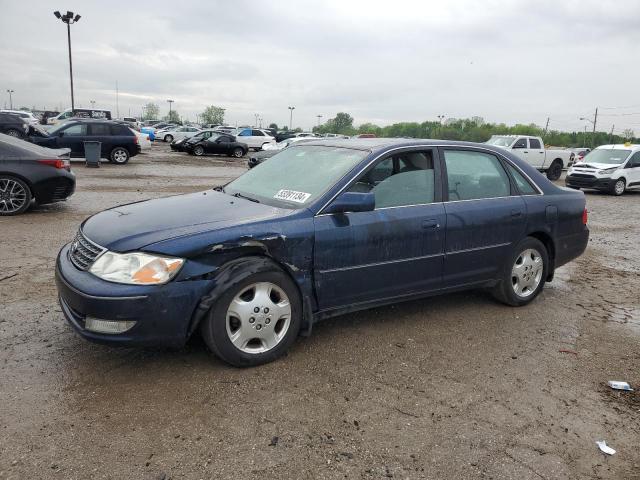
<point x="446" y="388"/>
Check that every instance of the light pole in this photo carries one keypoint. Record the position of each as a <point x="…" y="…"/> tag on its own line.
<point x="291" y="109"/>
<point x="69" y="19"/>
<point x="319" y="117"/>
<point x="10" y="99"/>
<point x="585" y="130"/>
<point x="256" y="115"/>
<point x="93" y="103"/>
<point x="440" y="119"/>
<point x="169" y="102"/>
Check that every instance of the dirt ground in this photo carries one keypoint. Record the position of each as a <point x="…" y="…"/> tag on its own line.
<point x="453" y="387"/>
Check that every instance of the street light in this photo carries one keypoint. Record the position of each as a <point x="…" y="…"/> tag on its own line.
<point x="291" y="109"/>
<point x="169" y="102"/>
<point x="93" y="103"/>
<point x="319" y="117"/>
<point x="10" y="99"/>
<point x="69" y="19"/>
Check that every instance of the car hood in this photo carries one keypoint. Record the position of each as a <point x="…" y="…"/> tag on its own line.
<point x="598" y="166"/>
<point x="261" y="155"/>
<point x="136" y="225"/>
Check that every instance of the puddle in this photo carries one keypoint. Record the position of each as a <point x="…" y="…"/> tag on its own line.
<point x="561" y="279"/>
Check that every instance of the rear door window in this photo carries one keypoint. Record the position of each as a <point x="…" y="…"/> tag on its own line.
<point x="257" y="133"/>
<point x="475" y="175"/>
<point x="522" y="183"/>
<point x="534" y="144"/>
<point x="120" y="130"/>
<point x="99" y="129"/>
<point x="76" y="130"/>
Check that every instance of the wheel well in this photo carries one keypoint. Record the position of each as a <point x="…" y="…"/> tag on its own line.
<point x="555" y="160"/>
<point x="25" y="180"/>
<point x="547" y="241"/>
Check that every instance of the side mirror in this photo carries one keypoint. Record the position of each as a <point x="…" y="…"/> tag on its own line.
<point x="61" y="134"/>
<point x="352" y="202"/>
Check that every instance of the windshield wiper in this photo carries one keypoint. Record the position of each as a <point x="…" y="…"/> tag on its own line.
<point x="239" y="195"/>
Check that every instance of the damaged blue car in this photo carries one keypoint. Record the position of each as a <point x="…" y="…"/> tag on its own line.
<point x="321" y="229"/>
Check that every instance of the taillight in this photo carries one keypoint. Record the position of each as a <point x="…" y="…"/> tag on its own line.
<point x="136" y="139"/>
<point x="57" y="163"/>
<point x="585" y="216"/>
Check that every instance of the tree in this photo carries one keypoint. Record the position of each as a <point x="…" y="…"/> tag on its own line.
<point x="151" y="111"/>
<point x="343" y="123"/>
<point x="628" y="134"/>
<point x="274" y="126"/>
<point x="172" y="117"/>
<point x="213" y="114"/>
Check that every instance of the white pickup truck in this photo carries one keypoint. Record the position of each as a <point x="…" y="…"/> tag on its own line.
<point x="532" y="151"/>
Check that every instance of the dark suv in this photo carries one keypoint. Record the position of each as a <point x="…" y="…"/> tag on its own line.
<point x="119" y="142"/>
<point x="13" y="125"/>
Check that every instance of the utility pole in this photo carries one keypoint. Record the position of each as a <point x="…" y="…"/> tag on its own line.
<point x="117" y="102"/>
<point x="546" y="127"/>
<point x="595" y="119"/>
<point x="170" y="102"/>
<point x="319" y="117"/>
<point x="611" y="136"/>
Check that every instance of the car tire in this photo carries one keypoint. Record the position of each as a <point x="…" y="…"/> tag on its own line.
<point x="239" y="335"/>
<point x="238" y="152"/>
<point x="15" y="196"/>
<point x="198" y="150"/>
<point x="119" y="156"/>
<point x="524" y="274"/>
<point x="168" y="138"/>
<point x="12" y="132"/>
<point x="262" y="147"/>
<point x="555" y="170"/>
<point x="618" y="187"/>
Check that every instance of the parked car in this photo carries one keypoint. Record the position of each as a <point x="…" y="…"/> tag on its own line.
<point x="324" y="228"/>
<point x="133" y="122"/>
<point x="219" y="143"/>
<point x="179" y="145"/>
<point x="119" y="141"/>
<point x="88" y="113"/>
<point x="307" y="135"/>
<point x="610" y="168"/>
<point x="269" y="151"/>
<point x="533" y="151"/>
<point x="13" y="125"/>
<point x="46" y="115"/>
<point x="366" y="135"/>
<point x="280" y="136"/>
<point x="579" y="154"/>
<point x="27" y="117"/>
<point x="30" y="173"/>
<point x="254" y="137"/>
<point x="177" y="133"/>
<point x="143" y="140"/>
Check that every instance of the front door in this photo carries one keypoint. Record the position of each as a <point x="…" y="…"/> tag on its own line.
<point x="392" y="251"/>
<point x="485" y="216"/>
<point x="73" y="137"/>
<point x="632" y="170"/>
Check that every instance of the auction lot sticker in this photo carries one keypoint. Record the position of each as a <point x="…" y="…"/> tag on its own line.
<point x="292" y="196"/>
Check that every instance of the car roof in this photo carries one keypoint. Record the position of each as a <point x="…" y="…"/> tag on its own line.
<point x="621" y="146"/>
<point x="375" y="144"/>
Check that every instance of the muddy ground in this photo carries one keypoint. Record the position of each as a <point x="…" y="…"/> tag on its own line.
<point x="446" y="388"/>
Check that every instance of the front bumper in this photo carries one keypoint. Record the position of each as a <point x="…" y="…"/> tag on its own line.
<point x="162" y="313"/>
<point x="587" y="181"/>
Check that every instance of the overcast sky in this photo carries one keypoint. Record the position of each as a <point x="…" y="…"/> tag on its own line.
<point x="382" y="62"/>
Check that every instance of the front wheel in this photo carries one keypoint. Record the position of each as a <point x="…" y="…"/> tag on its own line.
<point x="119" y="155"/>
<point x="198" y="150"/>
<point x="256" y="319"/>
<point x="168" y="138"/>
<point x="618" y="187"/>
<point x="555" y="170"/>
<point x="524" y="273"/>
<point x="12" y="132"/>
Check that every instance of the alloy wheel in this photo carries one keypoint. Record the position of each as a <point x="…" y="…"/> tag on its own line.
<point x="120" y="156"/>
<point x="526" y="273"/>
<point x="258" y="318"/>
<point x="619" y="187"/>
<point x="12" y="196"/>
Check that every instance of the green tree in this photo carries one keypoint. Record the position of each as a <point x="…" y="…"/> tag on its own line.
<point x="213" y="114"/>
<point x="172" y="116"/>
<point x="151" y="111"/>
<point x="343" y="122"/>
<point x="274" y="126"/>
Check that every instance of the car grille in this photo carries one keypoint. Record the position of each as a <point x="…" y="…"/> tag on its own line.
<point x="582" y="175"/>
<point x="83" y="252"/>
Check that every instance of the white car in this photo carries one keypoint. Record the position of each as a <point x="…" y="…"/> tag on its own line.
<point x="143" y="140"/>
<point x="254" y="138"/>
<point x="176" y="133"/>
<point x="284" y="143"/>
<point x="28" y="117"/>
<point x="612" y="168"/>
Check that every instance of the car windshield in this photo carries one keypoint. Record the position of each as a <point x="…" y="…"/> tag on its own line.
<point x="500" y="141"/>
<point x="608" y="156"/>
<point x="286" y="179"/>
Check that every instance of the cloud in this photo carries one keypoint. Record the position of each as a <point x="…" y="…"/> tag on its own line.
<point x="517" y="61"/>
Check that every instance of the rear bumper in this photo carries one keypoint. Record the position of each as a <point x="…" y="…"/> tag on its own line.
<point x="162" y="313"/>
<point x="587" y="182"/>
<point x="569" y="247"/>
<point x="55" y="189"/>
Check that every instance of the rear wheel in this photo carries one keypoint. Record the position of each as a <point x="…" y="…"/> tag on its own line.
<point x="256" y="319"/>
<point x="15" y="196"/>
<point x="168" y="138"/>
<point x="119" y="155"/>
<point x="198" y="150"/>
<point x="524" y="273"/>
<point x="617" y="187"/>
<point x="555" y="170"/>
<point x="238" y="152"/>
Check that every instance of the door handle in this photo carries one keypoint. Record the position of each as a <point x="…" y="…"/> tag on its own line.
<point x="430" y="224"/>
<point x="525" y="151"/>
<point x="516" y="213"/>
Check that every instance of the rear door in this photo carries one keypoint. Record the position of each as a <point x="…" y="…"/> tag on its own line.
<point x="73" y="137"/>
<point x="484" y="216"/>
<point x="535" y="155"/>
<point x="392" y="251"/>
<point x="100" y="132"/>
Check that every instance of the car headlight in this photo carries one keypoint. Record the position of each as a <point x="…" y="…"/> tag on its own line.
<point x="136" y="268"/>
<point x="607" y="170"/>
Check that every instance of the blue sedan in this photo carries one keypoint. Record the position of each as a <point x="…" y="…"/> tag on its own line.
<point x="320" y="229"/>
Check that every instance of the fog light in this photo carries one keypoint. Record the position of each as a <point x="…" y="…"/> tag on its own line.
<point x="108" y="326"/>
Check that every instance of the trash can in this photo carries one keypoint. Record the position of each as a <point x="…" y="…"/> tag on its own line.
<point x="92" y="153"/>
